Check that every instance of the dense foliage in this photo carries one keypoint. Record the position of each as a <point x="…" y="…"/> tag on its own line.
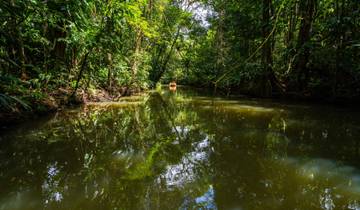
<point x="90" y="44"/>
<point x="308" y="47"/>
<point x="49" y="48"/>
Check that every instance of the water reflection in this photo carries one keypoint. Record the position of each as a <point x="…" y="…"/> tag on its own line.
<point x="182" y="150"/>
<point x="184" y="172"/>
<point x="206" y="201"/>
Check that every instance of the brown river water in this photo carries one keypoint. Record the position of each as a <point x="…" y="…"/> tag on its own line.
<point x="184" y="150"/>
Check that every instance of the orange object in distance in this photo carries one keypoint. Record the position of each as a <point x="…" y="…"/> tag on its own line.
<point x="172" y="86"/>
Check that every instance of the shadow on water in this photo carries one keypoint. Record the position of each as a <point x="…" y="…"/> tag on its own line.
<point x="184" y="150"/>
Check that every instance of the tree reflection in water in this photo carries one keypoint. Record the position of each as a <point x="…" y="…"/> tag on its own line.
<point x="181" y="150"/>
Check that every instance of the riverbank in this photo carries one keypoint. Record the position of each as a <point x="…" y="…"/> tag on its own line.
<point x="345" y="99"/>
<point x="16" y="110"/>
<point x="61" y="98"/>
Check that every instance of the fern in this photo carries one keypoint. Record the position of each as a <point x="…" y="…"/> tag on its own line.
<point x="9" y="103"/>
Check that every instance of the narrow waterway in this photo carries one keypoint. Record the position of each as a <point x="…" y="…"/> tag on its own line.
<point x="184" y="150"/>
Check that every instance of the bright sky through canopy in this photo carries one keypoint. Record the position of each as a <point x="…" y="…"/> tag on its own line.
<point x="200" y="11"/>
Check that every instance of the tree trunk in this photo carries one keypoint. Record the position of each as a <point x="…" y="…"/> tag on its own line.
<point x="307" y="13"/>
<point x="267" y="59"/>
<point x="110" y="68"/>
<point x="135" y="61"/>
<point x="155" y="63"/>
<point x="20" y="46"/>
<point x="220" y="43"/>
<point x="339" y="44"/>
<point x="82" y="69"/>
<point x="166" y="60"/>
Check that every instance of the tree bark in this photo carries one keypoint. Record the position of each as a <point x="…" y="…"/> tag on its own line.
<point x="166" y="60"/>
<point x="269" y="82"/>
<point x="82" y="69"/>
<point x="110" y="68"/>
<point x="135" y="61"/>
<point x="220" y="43"/>
<point x="307" y="13"/>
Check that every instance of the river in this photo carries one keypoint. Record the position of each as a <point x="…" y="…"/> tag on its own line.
<point x="184" y="150"/>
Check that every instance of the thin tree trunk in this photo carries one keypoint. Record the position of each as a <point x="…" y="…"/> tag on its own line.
<point x="339" y="44"/>
<point x="266" y="29"/>
<point x="155" y="63"/>
<point x="267" y="59"/>
<point x="307" y="11"/>
<point x="135" y="61"/>
<point x="289" y="40"/>
<point x="110" y="67"/>
<point x="167" y="58"/>
<point x="22" y="57"/>
<point x="220" y="43"/>
<point x="20" y="51"/>
<point x="82" y="69"/>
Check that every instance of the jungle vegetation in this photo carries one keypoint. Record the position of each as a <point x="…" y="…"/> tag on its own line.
<point x="55" y="48"/>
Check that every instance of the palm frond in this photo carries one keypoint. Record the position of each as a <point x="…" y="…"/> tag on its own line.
<point x="10" y="102"/>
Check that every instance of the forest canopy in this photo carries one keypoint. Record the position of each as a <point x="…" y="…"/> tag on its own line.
<point x="307" y="48"/>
